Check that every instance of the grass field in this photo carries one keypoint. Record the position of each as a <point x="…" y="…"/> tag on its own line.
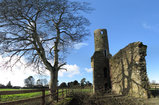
<point x="12" y="89"/>
<point x="154" y="89"/>
<point x="5" y="98"/>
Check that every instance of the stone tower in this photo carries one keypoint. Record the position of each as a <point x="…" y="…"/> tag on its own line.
<point x="100" y="62"/>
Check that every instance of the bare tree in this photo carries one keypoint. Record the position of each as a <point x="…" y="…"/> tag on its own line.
<point x="29" y="82"/>
<point x="39" y="82"/>
<point x="83" y="82"/>
<point x="45" y="82"/>
<point x="39" y="30"/>
<point x="153" y="82"/>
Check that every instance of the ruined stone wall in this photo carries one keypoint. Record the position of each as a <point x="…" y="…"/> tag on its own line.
<point x="128" y="71"/>
<point x="101" y="77"/>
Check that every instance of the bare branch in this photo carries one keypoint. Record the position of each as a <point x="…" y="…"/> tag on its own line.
<point x="61" y="65"/>
<point x="48" y="39"/>
<point x="63" y="69"/>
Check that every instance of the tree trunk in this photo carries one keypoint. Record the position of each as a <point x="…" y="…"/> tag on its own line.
<point x="54" y="71"/>
<point x="53" y="83"/>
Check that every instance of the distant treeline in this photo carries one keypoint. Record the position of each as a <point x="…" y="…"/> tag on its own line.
<point x="43" y="83"/>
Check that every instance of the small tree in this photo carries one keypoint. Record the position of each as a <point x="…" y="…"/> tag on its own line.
<point x="70" y="84"/>
<point x="29" y="82"/>
<point x="75" y="83"/>
<point x="63" y="85"/>
<point x="153" y="82"/>
<point x="45" y="82"/>
<point x="2" y="86"/>
<point x="83" y="81"/>
<point x="39" y="83"/>
<point x="88" y="83"/>
<point x="9" y="85"/>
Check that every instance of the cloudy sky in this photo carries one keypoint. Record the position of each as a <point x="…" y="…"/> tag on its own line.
<point x="126" y="21"/>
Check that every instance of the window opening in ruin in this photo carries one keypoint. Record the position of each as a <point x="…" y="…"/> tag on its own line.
<point x="101" y="32"/>
<point x="105" y="53"/>
<point x="105" y="72"/>
<point x="105" y="86"/>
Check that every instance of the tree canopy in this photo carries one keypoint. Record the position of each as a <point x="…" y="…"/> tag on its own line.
<point x="40" y="31"/>
<point x="29" y="82"/>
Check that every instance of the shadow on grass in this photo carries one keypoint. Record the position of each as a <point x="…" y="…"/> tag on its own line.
<point x="155" y="92"/>
<point x="107" y="99"/>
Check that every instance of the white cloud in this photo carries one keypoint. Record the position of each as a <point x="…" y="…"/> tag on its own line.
<point x="15" y="76"/>
<point x="18" y="73"/>
<point x="146" y="26"/>
<point x="72" y="70"/>
<point x="80" y="45"/>
<point x="151" y="27"/>
<point x="89" y="70"/>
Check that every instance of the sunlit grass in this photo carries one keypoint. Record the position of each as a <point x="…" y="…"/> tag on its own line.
<point x="154" y="89"/>
<point x="13" y="89"/>
<point x="6" y="98"/>
<point x="13" y="97"/>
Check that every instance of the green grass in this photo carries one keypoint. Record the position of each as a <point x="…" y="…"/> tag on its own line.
<point x="154" y="89"/>
<point x="5" y="98"/>
<point x="12" y="89"/>
<point x="85" y="90"/>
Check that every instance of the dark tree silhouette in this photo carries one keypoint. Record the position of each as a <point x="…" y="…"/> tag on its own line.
<point x="41" y="82"/>
<point x="75" y="83"/>
<point x="63" y="85"/>
<point x="83" y="81"/>
<point x="9" y="85"/>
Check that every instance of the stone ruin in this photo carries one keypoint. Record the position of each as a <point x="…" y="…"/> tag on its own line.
<point x="128" y="71"/>
<point x="100" y="62"/>
<point x="124" y="73"/>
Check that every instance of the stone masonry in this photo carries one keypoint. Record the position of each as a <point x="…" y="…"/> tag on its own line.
<point x="128" y="71"/>
<point x="124" y="73"/>
<point x="100" y="62"/>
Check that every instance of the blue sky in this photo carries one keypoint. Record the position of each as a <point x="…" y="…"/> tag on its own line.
<point x="126" y="21"/>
